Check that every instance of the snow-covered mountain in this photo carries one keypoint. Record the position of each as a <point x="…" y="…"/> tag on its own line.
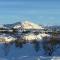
<point x="53" y="28"/>
<point x="24" y="25"/>
<point x="20" y="34"/>
<point x="12" y="25"/>
<point x="30" y="25"/>
<point x="26" y="30"/>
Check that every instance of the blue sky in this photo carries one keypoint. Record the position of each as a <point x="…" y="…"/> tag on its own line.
<point x="45" y="12"/>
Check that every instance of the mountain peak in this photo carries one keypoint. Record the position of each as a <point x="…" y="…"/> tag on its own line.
<point x="24" y="25"/>
<point x="30" y="25"/>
